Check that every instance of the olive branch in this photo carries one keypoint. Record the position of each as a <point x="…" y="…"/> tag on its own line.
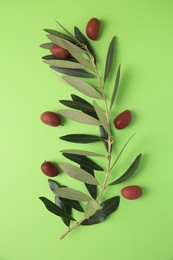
<point x="82" y="64"/>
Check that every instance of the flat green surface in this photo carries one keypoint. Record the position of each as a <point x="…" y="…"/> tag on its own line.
<point x="139" y="230"/>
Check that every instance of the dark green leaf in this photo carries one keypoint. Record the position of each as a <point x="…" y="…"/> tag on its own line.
<point x="61" y="35"/>
<point x="130" y="171"/>
<point x="108" y="207"/>
<point x="91" y="188"/>
<point x="115" y="87"/>
<point x="77" y="105"/>
<point x="47" y="45"/>
<point x="104" y="135"/>
<point x="65" y="208"/>
<point x="52" y="57"/>
<point x="82" y="152"/>
<point x="73" y="203"/>
<point x="53" y="208"/>
<point x="109" y="59"/>
<point x="81" y="38"/>
<point x="70" y="34"/>
<point x="73" y="72"/>
<point x="81" y="138"/>
<point x="83" y="161"/>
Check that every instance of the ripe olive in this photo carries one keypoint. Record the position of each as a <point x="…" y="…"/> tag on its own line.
<point x="50" y="118"/>
<point x="131" y="192"/>
<point x="49" y="169"/>
<point x="93" y="28"/>
<point x="59" y="52"/>
<point x="123" y="119"/>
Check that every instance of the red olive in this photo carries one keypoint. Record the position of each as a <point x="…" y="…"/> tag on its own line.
<point x="49" y="169"/>
<point x="123" y="119"/>
<point x="59" y="52"/>
<point x="131" y="192"/>
<point x="50" y="118"/>
<point x="93" y="28"/>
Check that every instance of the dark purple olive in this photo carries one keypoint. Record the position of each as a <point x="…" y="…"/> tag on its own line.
<point x="131" y="192"/>
<point x="59" y="52"/>
<point x="123" y="119"/>
<point x="93" y="28"/>
<point x="49" y="169"/>
<point x="50" y="118"/>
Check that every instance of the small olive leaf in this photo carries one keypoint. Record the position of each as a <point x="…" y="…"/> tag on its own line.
<point x="129" y="172"/>
<point x="73" y="72"/>
<point x="83" y="161"/>
<point x="84" y="40"/>
<point x="49" y="57"/>
<point x="77" y="105"/>
<point x="92" y="189"/>
<point x="81" y="138"/>
<point x="81" y="152"/>
<point x="109" y="58"/>
<point x="60" y="35"/>
<point x="82" y="86"/>
<point x="72" y="194"/>
<point x="78" y="174"/>
<point x="104" y="135"/>
<point x="53" y="208"/>
<point x="47" y="45"/>
<point x="102" y="118"/>
<point x="79" y="117"/>
<point x="91" y="207"/>
<point x="72" y="203"/>
<point x="70" y="34"/>
<point x="64" y="64"/>
<point x="115" y="87"/>
<point x="53" y="185"/>
<point x="66" y="209"/>
<point x="108" y="207"/>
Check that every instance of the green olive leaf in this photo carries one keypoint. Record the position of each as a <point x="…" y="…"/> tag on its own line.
<point x="102" y="118"/>
<point x="129" y="172"/>
<point x="60" y="35"/>
<point x="81" y="138"/>
<point x="65" y="208"/>
<point x="77" y="105"/>
<point x="109" y="59"/>
<point x="91" y="207"/>
<point x="64" y="64"/>
<point x="72" y="194"/>
<point x="81" y="152"/>
<point x="47" y="45"/>
<point x="115" y="87"/>
<point x="78" y="116"/>
<point x="82" y="86"/>
<point x="78" y="174"/>
<point x="104" y="135"/>
<point x="73" y="72"/>
<point x="92" y="189"/>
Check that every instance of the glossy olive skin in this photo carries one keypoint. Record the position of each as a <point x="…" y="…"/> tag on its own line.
<point x="59" y="52"/>
<point x="93" y="28"/>
<point x="131" y="192"/>
<point x="123" y="119"/>
<point x="49" y="169"/>
<point x="50" y="118"/>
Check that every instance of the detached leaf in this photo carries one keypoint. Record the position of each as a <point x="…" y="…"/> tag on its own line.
<point x="109" y="59"/>
<point x="82" y="86"/>
<point x="81" y="152"/>
<point x="79" y="117"/>
<point x="78" y="173"/>
<point x="61" y="35"/>
<point x="81" y="138"/>
<point x="73" y="72"/>
<point x="47" y="45"/>
<point x="115" y="86"/>
<point x="102" y="118"/>
<point x="64" y="64"/>
<point x="83" y="161"/>
<point x="53" y="208"/>
<point x="91" y="207"/>
<point x="72" y="194"/>
<point x="108" y="207"/>
<point x="91" y="188"/>
<point x="130" y="171"/>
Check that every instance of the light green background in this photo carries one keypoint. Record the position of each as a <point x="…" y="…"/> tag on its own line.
<point x="139" y="230"/>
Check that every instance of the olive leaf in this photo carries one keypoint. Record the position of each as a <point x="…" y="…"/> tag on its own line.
<point x="65" y="208"/>
<point x="92" y="189"/>
<point x="53" y="208"/>
<point x="91" y="207"/>
<point x="83" y="161"/>
<point x="72" y="194"/>
<point x="109" y="58"/>
<point x="73" y="72"/>
<point x="82" y="86"/>
<point x="108" y="207"/>
<point x="81" y="38"/>
<point x="60" y="35"/>
<point x="81" y="138"/>
<point x="78" y="174"/>
<point x="129" y="172"/>
<point x="104" y="135"/>
<point x="81" y="152"/>
<point x="70" y="34"/>
<point x="47" y="45"/>
<point x="53" y="57"/>
<point x="77" y="105"/>
<point x="64" y="64"/>
<point x="53" y="185"/>
<point x="115" y="87"/>
<point x="79" y="117"/>
<point x="102" y="118"/>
